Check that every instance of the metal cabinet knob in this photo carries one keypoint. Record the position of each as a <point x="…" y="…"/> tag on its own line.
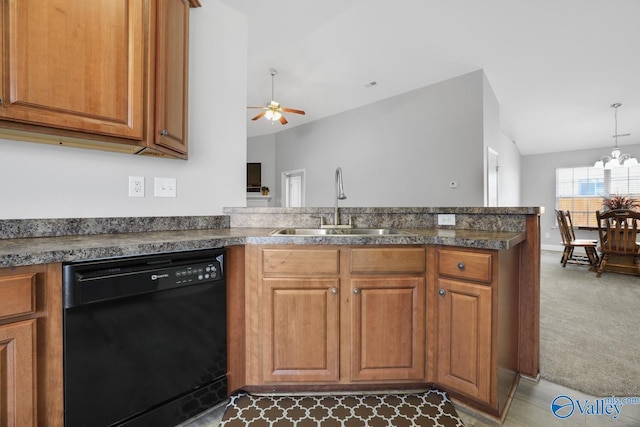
<point x="356" y="290"/>
<point x="442" y="292"/>
<point x="334" y="290"/>
<point x="461" y="265"/>
<point x="164" y="132"/>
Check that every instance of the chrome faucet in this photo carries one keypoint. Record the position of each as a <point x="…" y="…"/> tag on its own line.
<point x="339" y="194"/>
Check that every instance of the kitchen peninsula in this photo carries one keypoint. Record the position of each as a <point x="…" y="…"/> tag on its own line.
<point x="487" y="264"/>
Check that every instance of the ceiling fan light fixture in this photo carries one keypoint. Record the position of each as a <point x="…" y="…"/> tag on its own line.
<point x="273" y="111"/>
<point x="273" y="115"/>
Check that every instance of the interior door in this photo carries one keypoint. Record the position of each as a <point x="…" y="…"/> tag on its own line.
<point x="492" y="177"/>
<point x="293" y="189"/>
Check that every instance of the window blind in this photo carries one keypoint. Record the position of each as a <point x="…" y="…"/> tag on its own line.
<point x="581" y="190"/>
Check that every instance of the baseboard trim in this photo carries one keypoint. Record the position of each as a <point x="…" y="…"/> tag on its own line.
<point x="535" y="379"/>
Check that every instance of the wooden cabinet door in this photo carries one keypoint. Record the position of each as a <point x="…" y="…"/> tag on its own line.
<point x="300" y="341"/>
<point x="75" y="65"/>
<point x="387" y="328"/>
<point x="17" y="374"/>
<point x="172" y="61"/>
<point x="464" y="338"/>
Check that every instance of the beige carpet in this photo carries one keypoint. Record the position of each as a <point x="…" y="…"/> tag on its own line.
<point x="589" y="329"/>
<point x="431" y="408"/>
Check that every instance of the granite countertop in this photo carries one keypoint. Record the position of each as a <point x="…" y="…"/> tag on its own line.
<point x="41" y="250"/>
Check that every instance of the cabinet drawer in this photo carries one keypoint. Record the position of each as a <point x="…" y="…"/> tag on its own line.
<point x="301" y="261"/>
<point x="17" y="295"/>
<point x="388" y="260"/>
<point x="465" y="265"/>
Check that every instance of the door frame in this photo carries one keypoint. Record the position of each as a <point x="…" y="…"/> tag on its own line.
<point x="284" y="186"/>
<point x="492" y="158"/>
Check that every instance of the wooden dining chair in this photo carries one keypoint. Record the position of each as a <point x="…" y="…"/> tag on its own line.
<point x="618" y="230"/>
<point x="570" y="242"/>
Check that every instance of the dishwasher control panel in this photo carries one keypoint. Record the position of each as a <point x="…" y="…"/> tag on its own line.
<point x="100" y="280"/>
<point x="192" y="273"/>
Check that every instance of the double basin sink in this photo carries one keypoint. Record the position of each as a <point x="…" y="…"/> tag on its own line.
<point x="336" y="232"/>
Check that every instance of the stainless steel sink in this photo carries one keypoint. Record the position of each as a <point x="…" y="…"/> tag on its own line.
<point x="336" y="232"/>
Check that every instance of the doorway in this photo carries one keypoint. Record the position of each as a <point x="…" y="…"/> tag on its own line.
<point x="293" y="188"/>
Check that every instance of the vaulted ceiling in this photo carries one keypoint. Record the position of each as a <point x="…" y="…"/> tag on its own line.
<point x="555" y="66"/>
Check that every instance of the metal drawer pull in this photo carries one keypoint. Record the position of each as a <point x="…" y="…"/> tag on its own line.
<point x="442" y="292"/>
<point x="461" y="265"/>
<point x="356" y="290"/>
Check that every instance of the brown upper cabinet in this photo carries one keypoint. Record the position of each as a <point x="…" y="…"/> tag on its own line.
<point x="106" y="74"/>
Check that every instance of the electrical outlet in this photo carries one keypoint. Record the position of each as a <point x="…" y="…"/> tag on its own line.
<point x="136" y="186"/>
<point x="446" y="219"/>
<point x="164" y="187"/>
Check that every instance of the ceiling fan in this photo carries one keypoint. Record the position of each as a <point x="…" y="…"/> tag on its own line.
<point x="274" y="111"/>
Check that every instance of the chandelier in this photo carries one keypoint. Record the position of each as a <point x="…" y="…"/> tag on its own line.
<point x="616" y="159"/>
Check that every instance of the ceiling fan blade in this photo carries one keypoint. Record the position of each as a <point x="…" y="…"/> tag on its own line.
<point x="283" y="120"/>
<point x="291" y="110"/>
<point x="259" y="115"/>
<point x="264" y="108"/>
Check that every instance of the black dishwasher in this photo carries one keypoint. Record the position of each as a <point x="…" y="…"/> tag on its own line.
<point x="144" y="339"/>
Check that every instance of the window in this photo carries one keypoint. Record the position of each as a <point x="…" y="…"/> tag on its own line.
<point x="581" y="190"/>
<point x="591" y="188"/>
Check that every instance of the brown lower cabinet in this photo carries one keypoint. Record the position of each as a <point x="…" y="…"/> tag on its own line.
<point x="317" y="317"/>
<point x="300" y="340"/>
<point x="476" y="299"/>
<point x="366" y="317"/>
<point x="464" y="338"/>
<point x="31" y="346"/>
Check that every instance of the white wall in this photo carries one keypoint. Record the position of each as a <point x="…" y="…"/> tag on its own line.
<point x="48" y="181"/>
<point x="508" y="153"/>
<point x="390" y="144"/>
<point x="538" y="185"/>
<point x="262" y="149"/>
<point x="401" y="151"/>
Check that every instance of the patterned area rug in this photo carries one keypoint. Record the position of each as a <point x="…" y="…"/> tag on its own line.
<point x="431" y="408"/>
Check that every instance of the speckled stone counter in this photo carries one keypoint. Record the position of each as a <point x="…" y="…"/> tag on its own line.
<point x="55" y="227"/>
<point x="468" y="218"/>
<point x="35" y="241"/>
<point x="29" y="251"/>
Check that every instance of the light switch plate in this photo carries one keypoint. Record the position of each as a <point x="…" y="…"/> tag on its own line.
<point x="164" y="187"/>
<point x="446" y="219"/>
